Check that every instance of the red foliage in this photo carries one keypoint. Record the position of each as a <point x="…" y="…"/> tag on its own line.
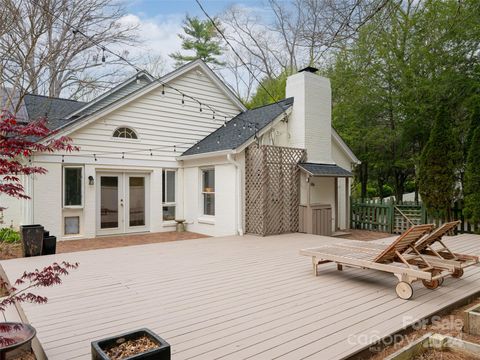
<point x="48" y="276"/>
<point x="18" y="141"/>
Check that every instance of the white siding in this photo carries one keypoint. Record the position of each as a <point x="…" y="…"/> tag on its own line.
<point x="160" y="121"/>
<point x="12" y="215"/>
<point x="224" y="221"/>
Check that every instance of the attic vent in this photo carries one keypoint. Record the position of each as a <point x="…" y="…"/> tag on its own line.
<point x="309" y="69"/>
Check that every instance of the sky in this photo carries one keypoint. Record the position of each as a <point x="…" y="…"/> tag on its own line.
<point x="160" y="21"/>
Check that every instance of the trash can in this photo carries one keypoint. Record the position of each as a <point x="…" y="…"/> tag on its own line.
<point x="32" y="239"/>
<point x="49" y="245"/>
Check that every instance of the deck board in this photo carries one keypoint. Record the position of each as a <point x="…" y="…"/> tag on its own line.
<point x="230" y="298"/>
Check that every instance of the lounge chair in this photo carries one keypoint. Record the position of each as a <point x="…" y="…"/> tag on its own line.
<point x="388" y="258"/>
<point x="444" y="255"/>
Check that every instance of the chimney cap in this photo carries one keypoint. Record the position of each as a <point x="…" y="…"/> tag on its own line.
<point x="309" y="69"/>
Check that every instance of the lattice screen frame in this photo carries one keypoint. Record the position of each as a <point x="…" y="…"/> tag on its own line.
<point x="272" y="189"/>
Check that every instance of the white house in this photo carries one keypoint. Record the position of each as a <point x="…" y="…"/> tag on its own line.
<point x="152" y="151"/>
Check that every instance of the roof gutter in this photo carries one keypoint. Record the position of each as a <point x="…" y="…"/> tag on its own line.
<point x="238" y="195"/>
<point x="206" y="155"/>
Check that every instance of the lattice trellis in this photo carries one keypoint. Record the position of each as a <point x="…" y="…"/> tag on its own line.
<point x="272" y="189"/>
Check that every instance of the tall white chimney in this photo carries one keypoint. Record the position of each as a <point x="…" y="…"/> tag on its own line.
<point x="310" y="124"/>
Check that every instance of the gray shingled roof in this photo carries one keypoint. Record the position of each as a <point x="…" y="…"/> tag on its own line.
<point x="240" y="129"/>
<point x="330" y="170"/>
<point x="55" y="109"/>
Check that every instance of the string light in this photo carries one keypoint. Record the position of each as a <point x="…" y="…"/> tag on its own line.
<point x="151" y="152"/>
<point x="200" y="107"/>
<point x="105" y="50"/>
<point x="95" y="157"/>
<point x="174" y="148"/>
<point x="213" y="115"/>
<point x="183" y="100"/>
<point x="123" y="155"/>
<point x="63" y="158"/>
<point x="163" y="89"/>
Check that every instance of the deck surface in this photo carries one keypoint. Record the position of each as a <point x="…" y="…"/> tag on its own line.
<point x="230" y="298"/>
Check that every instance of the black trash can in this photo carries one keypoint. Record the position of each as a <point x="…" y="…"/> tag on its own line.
<point x="49" y="245"/>
<point x="32" y="239"/>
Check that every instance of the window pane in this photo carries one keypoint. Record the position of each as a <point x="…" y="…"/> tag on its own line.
<point x="108" y="202"/>
<point x="73" y="186"/>
<point x="209" y="204"/>
<point x="168" y="213"/>
<point x="164" y="186"/>
<point x="72" y="225"/>
<point x="209" y="180"/>
<point x="137" y="201"/>
<point x="171" y="186"/>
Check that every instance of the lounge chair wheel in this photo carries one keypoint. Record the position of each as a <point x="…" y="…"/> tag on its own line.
<point x="458" y="273"/>
<point x="440" y="281"/>
<point x="432" y="284"/>
<point x="404" y="290"/>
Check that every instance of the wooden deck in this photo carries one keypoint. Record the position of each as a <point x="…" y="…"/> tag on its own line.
<point x="230" y="298"/>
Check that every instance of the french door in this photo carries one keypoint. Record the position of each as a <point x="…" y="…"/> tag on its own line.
<point x="122" y="203"/>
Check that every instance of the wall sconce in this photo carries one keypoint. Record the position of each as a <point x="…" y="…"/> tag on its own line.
<point x="91" y="180"/>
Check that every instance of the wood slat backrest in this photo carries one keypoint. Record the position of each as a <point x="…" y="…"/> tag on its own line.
<point x="436" y="235"/>
<point x="403" y="242"/>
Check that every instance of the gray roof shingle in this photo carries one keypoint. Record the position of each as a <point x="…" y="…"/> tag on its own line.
<point x="330" y="170"/>
<point x="240" y="129"/>
<point x="55" y="109"/>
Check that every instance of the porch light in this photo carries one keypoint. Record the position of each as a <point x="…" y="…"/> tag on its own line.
<point x="91" y="181"/>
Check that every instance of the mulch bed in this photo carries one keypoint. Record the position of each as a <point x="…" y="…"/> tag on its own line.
<point x="449" y="324"/>
<point x="130" y="348"/>
<point x="446" y="355"/>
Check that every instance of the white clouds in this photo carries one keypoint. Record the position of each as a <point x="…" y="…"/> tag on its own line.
<point x="158" y="36"/>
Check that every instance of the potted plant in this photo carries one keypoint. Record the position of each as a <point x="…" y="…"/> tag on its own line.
<point x="140" y="344"/>
<point x="13" y="334"/>
<point x="32" y="239"/>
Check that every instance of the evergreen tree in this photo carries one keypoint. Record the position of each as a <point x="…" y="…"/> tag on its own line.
<point x="276" y="88"/>
<point x="472" y="180"/>
<point x="202" y="38"/>
<point x="438" y="167"/>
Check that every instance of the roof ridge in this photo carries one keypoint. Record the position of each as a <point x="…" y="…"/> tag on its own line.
<point x="54" y="98"/>
<point x="273" y="103"/>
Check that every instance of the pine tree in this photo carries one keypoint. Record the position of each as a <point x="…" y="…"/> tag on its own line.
<point x="438" y="168"/>
<point x="472" y="180"/>
<point x="202" y="38"/>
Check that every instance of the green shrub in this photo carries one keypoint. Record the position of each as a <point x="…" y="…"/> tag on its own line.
<point x="8" y="235"/>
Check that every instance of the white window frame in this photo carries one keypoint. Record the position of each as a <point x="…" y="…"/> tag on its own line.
<point x="206" y="192"/>
<point x="164" y="186"/>
<point x="117" y="138"/>
<point x="82" y="186"/>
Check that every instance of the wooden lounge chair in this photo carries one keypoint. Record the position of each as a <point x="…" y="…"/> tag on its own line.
<point x="444" y="255"/>
<point x="388" y="258"/>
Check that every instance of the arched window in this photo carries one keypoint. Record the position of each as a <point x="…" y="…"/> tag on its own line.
<point x="125" y="133"/>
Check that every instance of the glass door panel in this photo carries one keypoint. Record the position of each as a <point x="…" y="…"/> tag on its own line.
<point x="109" y="209"/>
<point x="136" y="200"/>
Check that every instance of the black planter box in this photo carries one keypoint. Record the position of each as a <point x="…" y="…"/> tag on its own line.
<point x="160" y="353"/>
<point x="49" y="245"/>
<point x="32" y="239"/>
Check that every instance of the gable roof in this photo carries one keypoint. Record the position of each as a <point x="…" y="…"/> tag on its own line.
<point x="127" y="87"/>
<point x="240" y="129"/>
<point x="79" y="120"/>
<point x="54" y="109"/>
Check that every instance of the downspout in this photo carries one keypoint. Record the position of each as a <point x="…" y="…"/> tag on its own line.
<point x="238" y="195"/>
